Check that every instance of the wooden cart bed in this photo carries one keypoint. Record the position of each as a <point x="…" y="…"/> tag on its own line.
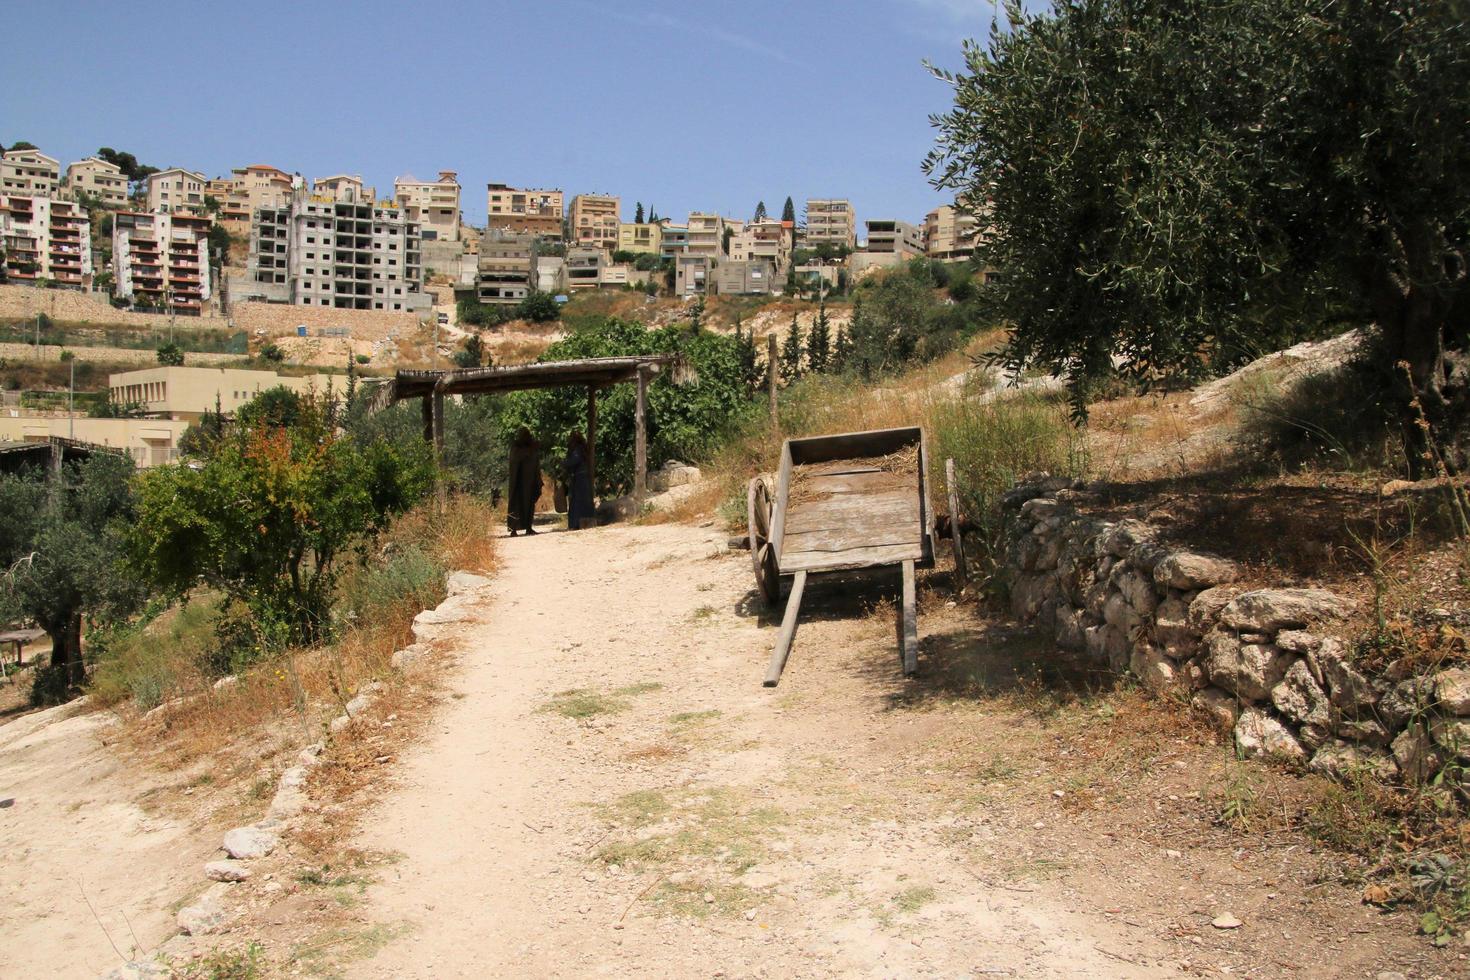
<point x="851" y="516"/>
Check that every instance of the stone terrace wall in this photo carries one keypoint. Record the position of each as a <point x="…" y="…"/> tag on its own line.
<point x="280" y="319"/>
<point x="1263" y="664"/>
<point x="70" y="304"/>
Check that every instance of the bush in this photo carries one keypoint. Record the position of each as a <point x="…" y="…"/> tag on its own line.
<point x="1341" y="419"/>
<point x="406" y="581"/>
<point x="539" y="307"/>
<point x="995" y="440"/>
<point x="150" y="661"/>
<point x="171" y="354"/>
<point x="272" y="352"/>
<point x="363" y="359"/>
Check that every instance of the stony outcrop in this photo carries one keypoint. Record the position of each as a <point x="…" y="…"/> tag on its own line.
<point x="1262" y="664"/>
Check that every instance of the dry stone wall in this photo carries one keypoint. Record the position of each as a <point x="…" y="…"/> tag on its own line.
<point x="1268" y="665"/>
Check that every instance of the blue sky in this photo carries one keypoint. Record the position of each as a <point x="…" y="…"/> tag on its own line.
<point x="699" y="105"/>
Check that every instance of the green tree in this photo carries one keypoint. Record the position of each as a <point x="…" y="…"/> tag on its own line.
<point x="472" y="354"/>
<point x="171" y="354"/>
<point x="539" y="307"/>
<point x="1154" y="201"/>
<point x="819" y="342"/>
<point x="788" y="211"/>
<point x="267" y="515"/>
<point x="841" y="352"/>
<point x="272" y="351"/>
<point x="696" y="316"/>
<point x="60" y="552"/>
<point x="638" y="214"/>
<point x="791" y="352"/>
<point x="687" y="421"/>
<point x="203" y="434"/>
<point x="760" y="211"/>
<point x="747" y="357"/>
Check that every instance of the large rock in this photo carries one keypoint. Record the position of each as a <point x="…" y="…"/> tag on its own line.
<point x="673" y="474"/>
<point x="1251" y="670"/>
<point x="1452" y="735"/>
<point x="1138" y="589"/>
<point x="1258" y="734"/>
<point x="1352" y="692"/>
<point x="202" y="918"/>
<point x="1452" y="690"/>
<point x="409" y="655"/>
<point x="1118" y="613"/>
<point x="1030" y="593"/>
<point x="1298" y="641"/>
<point x="1205" y="607"/>
<point x="1186" y="570"/>
<point x="1300" y="698"/>
<point x="1363" y="730"/>
<point x="1416" y="755"/>
<point x="290" y="798"/>
<point x="1070" y="627"/>
<point x="1121" y="538"/>
<point x="1172" y="630"/>
<point x="1221" y="707"/>
<point x="1271" y="610"/>
<point x="1155" y="671"/>
<point x="248" y="843"/>
<point x="1407" y="699"/>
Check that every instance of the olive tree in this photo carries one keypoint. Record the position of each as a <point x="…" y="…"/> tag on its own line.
<point x="1179" y="184"/>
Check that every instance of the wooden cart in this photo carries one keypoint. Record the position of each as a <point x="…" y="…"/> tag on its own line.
<point x="843" y="503"/>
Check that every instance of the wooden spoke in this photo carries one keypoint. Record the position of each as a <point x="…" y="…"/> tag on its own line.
<point x="762" y="549"/>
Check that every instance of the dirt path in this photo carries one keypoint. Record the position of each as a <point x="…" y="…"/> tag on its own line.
<point x="673" y="818"/>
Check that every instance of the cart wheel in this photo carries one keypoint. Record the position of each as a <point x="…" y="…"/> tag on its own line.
<point x="762" y="551"/>
<point x="956" y="520"/>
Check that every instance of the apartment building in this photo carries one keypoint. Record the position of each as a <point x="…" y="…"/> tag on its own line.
<point x="524" y="211"/>
<point x="321" y="252"/>
<point x="830" y="221"/>
<point x="248" y="188"/>
<point x="707" y="234"/>
<point x="186" y="393"/>
<point x="746" y="277"/>
<point x="505" y="271"/>
<point x="162" y="260"/>
<point x="45" y="238"/>
<point x="768" y="241"/>
<point x="673" y="239"/>
<point x="433" y="204"/>
<point x="346" y="188"/>
<point x="950" y="233"/>
<point x="645" y="238"/>
<point x="692" y="274"/>
<point x="99" y="179"/>
<point x="176" y="189"/>
<point x="595" y="219"/>
<point x="896" y="238"/>
<point x="585" y="267"/>
<point x="29" y="172"/>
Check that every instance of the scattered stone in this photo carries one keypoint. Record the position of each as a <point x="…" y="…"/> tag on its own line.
<point x="1121" y="538"/>
<point x="248" y="843"/>
<point x="673" y="474"/>
<point x="1452" y="734"/>
<point x="227" y="681"/>
<point x="1452" y="690"/>
<point x="1118" y="614"/>
<point x="226" y="871"/>
<point x="1138" y="590"/>
<point x="312" y="754"/>
<point x="709" y="898"/>
<point x="1251" y="670"/>
<point x="1258" y="734"/>
<point x="409" y="655"/>
<point x="1407" y="699"/>
<point x="1226" y="921"/>
<point x="1339" y="759"/>
<point x="1272" y="610"/>
<point x="1185" y="570"/>
<point x="339" y="724"/>
<point x="1069" y="628"/>
<point x="201" y="919"/>
<point x="750" y="915"/>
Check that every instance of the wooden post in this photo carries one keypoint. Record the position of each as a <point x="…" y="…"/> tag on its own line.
<point x="592" y="438"/>
<point x="771" y="375"/>
<point x="909" y="624"/>
<point x="640" y="441"/>
<point x="426" y="409"/>
<point x="788" y="630"/>
<point x="438" y="432"/>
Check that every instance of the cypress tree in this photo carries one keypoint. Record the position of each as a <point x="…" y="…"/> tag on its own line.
<point x="819" y="343"/>
<point x="791" y="352"/>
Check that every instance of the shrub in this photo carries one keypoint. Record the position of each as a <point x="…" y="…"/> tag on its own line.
<point x="995" y="440"/>
<point x="153" y="659"/>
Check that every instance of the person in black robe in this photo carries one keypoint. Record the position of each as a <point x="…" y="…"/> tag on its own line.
<point x="525" y="482"/>
<point x="578" y="472"/>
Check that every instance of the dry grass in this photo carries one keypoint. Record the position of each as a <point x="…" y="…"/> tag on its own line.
<point x="287" y="700"/>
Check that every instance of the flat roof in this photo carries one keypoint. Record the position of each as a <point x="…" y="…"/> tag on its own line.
<point x="597" y="372"/>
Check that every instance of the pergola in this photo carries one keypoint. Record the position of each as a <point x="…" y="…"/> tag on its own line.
<point x="593" y="373"/>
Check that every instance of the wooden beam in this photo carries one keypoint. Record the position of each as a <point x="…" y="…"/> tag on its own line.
<point x="788" y="631"/>
<point x="592" y="438"/>
<point x="640" y="442"/>
<point x="909" y="624"/>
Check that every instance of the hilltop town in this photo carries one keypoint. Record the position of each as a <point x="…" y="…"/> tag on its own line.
<point x="283" y="260"/>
